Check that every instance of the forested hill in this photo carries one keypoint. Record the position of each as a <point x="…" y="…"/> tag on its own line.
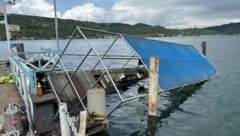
<point x="232" y="28"/>
<point x="34" y="27"/>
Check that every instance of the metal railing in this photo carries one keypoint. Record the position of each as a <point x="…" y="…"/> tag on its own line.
<point x="24" y="74"/>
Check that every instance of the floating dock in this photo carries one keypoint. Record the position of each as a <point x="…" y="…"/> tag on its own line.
<point x="8" y="94"/>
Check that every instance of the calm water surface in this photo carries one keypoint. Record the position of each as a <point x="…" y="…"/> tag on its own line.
<point x="212" y="110"/>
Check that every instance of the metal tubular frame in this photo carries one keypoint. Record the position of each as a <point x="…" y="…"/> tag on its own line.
<point x="102" y="57"/>
<point x="107" y="51"/>
<point x="60" y="56"/>
<point x="75" y="71"/>
<point x="56" y="58"/>
<point x="131" y="56"/>
<point x="74" y="88"/>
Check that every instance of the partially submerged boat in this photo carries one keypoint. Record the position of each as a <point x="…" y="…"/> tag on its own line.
<point x="180" y="65"/>
<point x="74" y="76"/>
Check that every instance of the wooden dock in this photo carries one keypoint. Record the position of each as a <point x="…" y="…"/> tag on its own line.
<point x="8" y="94"/>
<point x="83" y="80"/>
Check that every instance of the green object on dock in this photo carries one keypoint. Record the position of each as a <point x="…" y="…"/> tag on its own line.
<point x="7" y="79"/>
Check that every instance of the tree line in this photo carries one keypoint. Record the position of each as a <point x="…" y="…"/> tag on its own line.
<point x="34" y="27"/>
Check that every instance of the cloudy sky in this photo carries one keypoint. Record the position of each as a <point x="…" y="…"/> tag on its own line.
<point x="167" y="13"/>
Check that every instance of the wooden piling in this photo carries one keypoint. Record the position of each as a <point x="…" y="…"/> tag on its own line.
<point x="153" y="86"/>
<point x="63" y="119"/>
<point x="20" y="50"/>
<point x="83" y="123"/>
<point x="204" y="48"/>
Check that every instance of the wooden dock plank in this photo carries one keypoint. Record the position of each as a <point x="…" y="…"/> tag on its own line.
<point x="8" y="92"/>
<point x="58" y="80"/>
<point x="86" y="80"/>
<point x="1" y="122"/>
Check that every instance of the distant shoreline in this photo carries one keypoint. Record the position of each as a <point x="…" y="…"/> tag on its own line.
<point x="23" y="39"/>
<point x="35" y="27"/>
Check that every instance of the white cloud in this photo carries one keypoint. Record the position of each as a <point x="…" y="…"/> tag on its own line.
<point x="149" y="12"/>
<point x="122" y="12"/>
<point x="86" y="12"/>
<point x="174" y="13"/>
<point x="33" y="7"/>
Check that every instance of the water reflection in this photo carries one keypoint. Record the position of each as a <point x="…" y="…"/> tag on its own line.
<point x="132" y="118"/>
<point x="175" y="98"/>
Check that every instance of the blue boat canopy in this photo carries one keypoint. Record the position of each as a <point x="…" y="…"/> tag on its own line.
<point x="179" y="65"/>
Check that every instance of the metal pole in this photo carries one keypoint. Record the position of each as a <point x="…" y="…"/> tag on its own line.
<point x="7" y="30"/>
<point x="153" y="86"/>
<point x="63" y="119"/>
<point x="56" y="24"/>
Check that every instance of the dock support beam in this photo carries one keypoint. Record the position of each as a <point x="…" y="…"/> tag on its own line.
<point x="204" y="48"/>
<point x="153" y="86"/>
<point x="63" y="119"/>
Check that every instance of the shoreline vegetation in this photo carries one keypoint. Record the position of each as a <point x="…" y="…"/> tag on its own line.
<point x="39" y="28"/>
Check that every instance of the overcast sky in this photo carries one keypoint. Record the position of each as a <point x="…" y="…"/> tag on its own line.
<point x="167" y="13"/>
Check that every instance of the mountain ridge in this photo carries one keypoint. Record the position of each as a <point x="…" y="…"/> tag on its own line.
<point x="35" y="27"/>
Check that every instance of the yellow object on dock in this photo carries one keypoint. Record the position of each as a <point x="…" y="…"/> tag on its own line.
<point x="6" y="79"/>
<point x="39" y="90"/>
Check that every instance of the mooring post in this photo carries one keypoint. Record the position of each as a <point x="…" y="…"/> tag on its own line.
<point x="153" y="86"/>
<point x="20" y="50"/>
<point x="63" y="119"/>
<point x="82" y="123"/>
<point x="204" y="48"/>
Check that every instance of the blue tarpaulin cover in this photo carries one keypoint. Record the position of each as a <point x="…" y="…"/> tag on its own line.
<point x="179" y="65"/>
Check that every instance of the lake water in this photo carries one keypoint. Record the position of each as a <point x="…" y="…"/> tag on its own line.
<point x="212" y="110"/>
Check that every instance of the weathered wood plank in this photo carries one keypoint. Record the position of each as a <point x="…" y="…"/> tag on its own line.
<point x="1" y="122"/>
